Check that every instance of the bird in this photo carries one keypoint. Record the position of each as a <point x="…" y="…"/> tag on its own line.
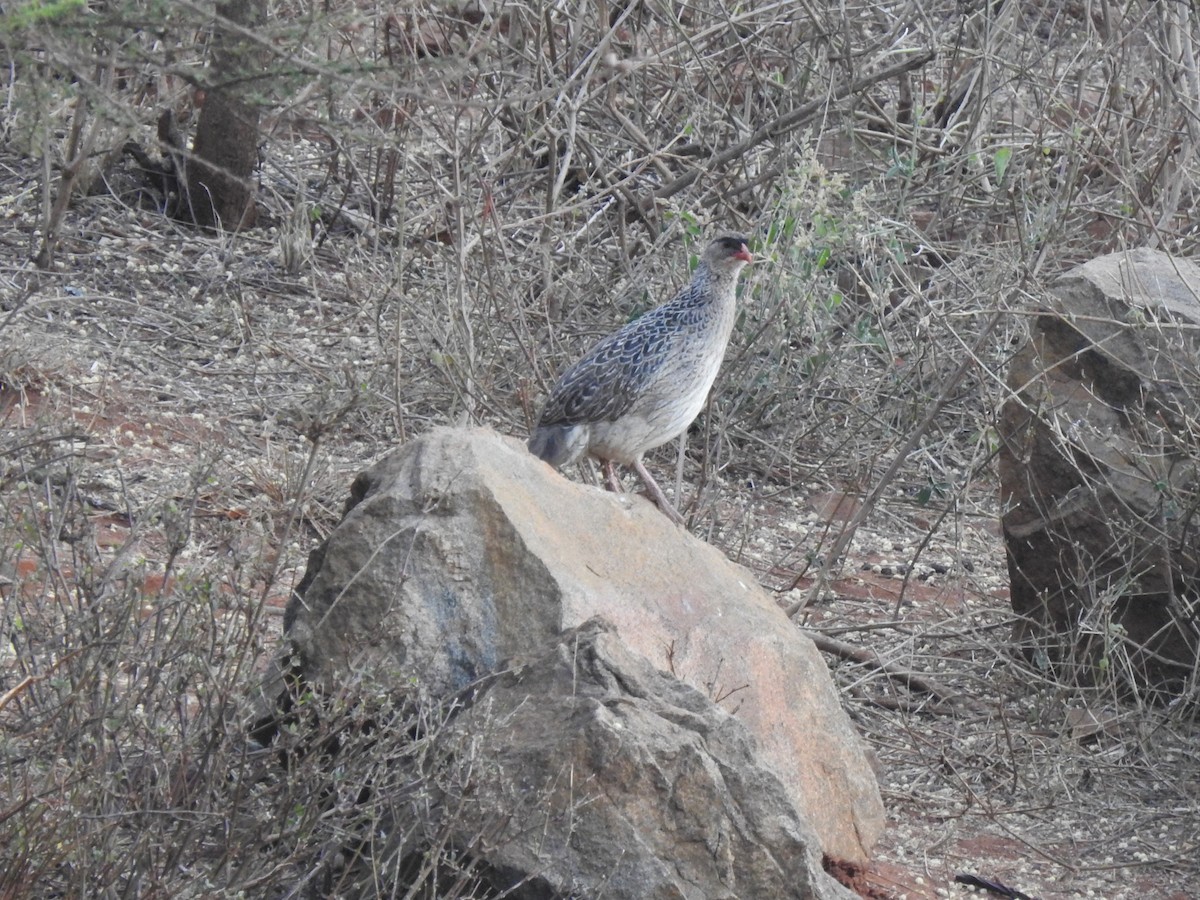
<point x="643" y="385"/>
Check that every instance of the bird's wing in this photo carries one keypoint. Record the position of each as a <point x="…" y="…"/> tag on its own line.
<point x="606" y="383"/>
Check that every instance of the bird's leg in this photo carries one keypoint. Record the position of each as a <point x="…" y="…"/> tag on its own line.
<point x="656" y="494"/>
<point x="610" y="475"/>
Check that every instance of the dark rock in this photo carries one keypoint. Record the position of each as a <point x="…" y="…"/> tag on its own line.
<point x="619" y="781"/>
<point x="1098" y="473"/>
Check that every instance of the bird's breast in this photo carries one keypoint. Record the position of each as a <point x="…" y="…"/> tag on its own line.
<point x="666" y="402"/>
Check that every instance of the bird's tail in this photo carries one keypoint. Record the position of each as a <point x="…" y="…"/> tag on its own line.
<point x="558" y="444"/>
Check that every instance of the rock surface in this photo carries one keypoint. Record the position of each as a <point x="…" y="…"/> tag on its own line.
<point x="620" y="781"/>
<point x="1098" y="471"/>
<point x="460" y="552"/>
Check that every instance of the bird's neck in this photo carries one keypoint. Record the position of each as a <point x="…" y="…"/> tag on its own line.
<point x="720" y="284"/>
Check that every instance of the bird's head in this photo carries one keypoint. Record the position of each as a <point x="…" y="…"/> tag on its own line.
<point x="729" y="251"/>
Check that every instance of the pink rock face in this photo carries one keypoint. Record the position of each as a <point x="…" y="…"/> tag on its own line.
<point x="487" y="554"/>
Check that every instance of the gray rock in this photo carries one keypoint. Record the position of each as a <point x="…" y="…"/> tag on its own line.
<point x="461" y="552"/>
<point x="621" y="782"/>
<point x="1098" y="472"/>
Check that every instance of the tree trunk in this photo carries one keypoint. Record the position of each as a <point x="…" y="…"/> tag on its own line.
<point x="220" y="190"/>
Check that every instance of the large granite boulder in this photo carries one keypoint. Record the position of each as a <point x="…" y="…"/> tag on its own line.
<point x="619" y="781"/>
<point x="1098" y="468"/>
<point x="460" y="553"/>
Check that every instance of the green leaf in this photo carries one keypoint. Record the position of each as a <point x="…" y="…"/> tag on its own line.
<point x="1000" y="161"/>
<point x="26" y="14"/>
<point x="814" y="364"/>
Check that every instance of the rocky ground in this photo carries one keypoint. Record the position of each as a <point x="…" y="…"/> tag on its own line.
<point x="210" y="412"/>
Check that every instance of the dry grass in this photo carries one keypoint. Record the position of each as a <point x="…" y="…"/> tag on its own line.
<point x="456" y="205"/>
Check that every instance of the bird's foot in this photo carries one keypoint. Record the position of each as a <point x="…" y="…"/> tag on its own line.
<point x="610" y="476"/>
<point x="656" y="494"/>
